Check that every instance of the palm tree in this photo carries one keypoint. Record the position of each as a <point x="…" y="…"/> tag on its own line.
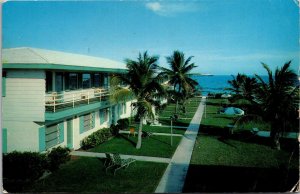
<point x="143" y="84"/>
<point x="236" y="83"/>
<point x="278" y="99"/>
<point x="243" y="86"/>
<point x="178" y="74"/>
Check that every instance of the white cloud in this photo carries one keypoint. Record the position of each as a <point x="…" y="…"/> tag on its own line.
<point x="168" y="8"/>
<point x="154" y="6"/>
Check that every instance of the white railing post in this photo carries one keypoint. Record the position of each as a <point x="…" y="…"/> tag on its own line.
<point x="100" y="94"/>
<point x="54" y="100"/>
<point x="73" y="96"/>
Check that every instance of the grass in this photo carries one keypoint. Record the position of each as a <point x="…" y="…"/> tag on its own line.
<point x="156" y="146"/>
<point x="88" y="175"/>
<point x="157" y="129"/>
<point x="238" y="163"/>
<point x="179" y="122"/>
<point x="239" y="153"/>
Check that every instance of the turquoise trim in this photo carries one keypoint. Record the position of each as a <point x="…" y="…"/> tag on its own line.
<point x="42" y="139"/>
<point x="60" y="67"/>
<point x="61" y="132"/>
<point x="3" y="86"/>
<point x="81" y="124"/>
<point x="4" y="140"/>
<point x="77" y="111"/>
<point x="101" y="112"/>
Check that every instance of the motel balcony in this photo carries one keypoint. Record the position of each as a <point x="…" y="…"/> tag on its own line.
<point x="55" y="102"/>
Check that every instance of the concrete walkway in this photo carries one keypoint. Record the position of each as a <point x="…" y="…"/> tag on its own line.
<point x="174" y="176"/>
<point x="140" y="158"/>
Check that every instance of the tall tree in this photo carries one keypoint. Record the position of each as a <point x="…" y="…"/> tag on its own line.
<point x="178" y="74"/>
<point x="143" y="84"/>
<point x="243" y="86"/>
<point x="278" y="99"/>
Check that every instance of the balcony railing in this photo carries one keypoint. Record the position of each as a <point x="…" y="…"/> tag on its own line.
<point x="70" y="99"/>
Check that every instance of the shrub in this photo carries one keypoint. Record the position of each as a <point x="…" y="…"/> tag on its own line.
<point x="114" y="129"/>
<point x="218" y="95"/>
<point x="21" y="168"/>
<point x="96" y="138"/>
<point x="123" y="123"/>
<point x="56" y="157"/>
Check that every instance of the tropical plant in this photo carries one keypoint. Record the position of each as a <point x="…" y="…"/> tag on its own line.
<point x="143" y="85"/>
<point x="178" y="75"/>
<point x="243" y="87"/>
<point x="278" y="99"/>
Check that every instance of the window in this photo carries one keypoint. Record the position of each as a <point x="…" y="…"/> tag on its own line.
<point x="87" y="122"/>
<point x="54" y="135"/>
<point x="59" y="82"/>
<point x="3" y="84"/>
<point x="96" y="80"/>
<point x="73" y="81"/>
<point x="49" y="83"/>
<point x="105" y="80"/>
<point x="86" y="80"/>
<point x="104" y="115"/>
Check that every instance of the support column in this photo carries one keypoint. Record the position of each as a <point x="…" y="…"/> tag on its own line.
<point x="53" y="81"/>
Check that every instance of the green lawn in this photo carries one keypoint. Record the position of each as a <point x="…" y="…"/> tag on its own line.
<point x="239" y="152"/>
<point x="156" y="146"/>
<point x="157" y="129"/>
<point x="240" y="162"/>
<point x="179" y="122"/>
<point x="88" y="175"/>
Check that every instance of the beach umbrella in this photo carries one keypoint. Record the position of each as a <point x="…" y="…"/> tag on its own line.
<point x="232" y="111"/>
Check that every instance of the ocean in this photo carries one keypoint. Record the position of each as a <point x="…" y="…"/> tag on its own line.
<point x="213" y="84"/>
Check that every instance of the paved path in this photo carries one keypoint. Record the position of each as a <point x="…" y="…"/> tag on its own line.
<point x="140" y="158"/>
<point x="174" y="176"/>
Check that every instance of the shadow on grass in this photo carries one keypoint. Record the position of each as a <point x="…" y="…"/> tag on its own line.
<point x="204" y="178"/>
<point x="165" y="121"/>
<point x="158" y="140"/>
<point x="223" y="134"/>
<point x="223" y="140"/>
<point x="127" y="139"/>
<point x="214" y="130"/>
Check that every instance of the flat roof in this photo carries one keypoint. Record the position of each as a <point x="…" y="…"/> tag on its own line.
<point x="33" y="58"/>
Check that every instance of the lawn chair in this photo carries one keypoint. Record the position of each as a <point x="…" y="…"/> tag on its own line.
<point x="120" y="163"/>
<point x="146" y="134"/>
<point x="131" y="132"/>
<point x="108" y="160"/>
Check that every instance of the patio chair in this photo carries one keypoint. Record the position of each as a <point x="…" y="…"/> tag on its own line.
<point x="131" y="132"/>
<point x="120" y="163"/>
<point x="146" y="134"/>
<point x="108" y="160"/>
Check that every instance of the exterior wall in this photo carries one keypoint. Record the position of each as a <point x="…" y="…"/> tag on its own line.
<point x="77" y="136"/>
<point x="24" y="100"/>
<point x="22" y="136"/>
<point x="128" y="110"/>
<point x="24" y="113"/>
<point x="23" y="107"/>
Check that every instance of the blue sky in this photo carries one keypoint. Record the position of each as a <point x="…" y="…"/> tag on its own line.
<point x="225" y="37"/>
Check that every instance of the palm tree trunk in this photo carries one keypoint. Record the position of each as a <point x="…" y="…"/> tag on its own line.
<point x="139" y="142"/>
<point x="274" y="134"/>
